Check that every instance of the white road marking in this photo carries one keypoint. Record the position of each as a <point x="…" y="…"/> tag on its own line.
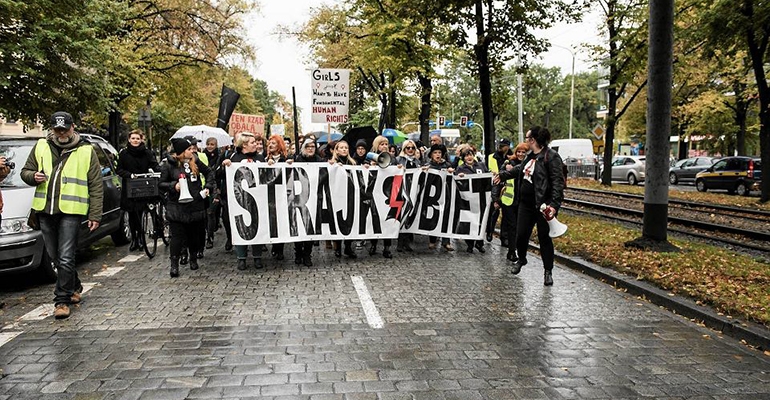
<point x="46" y="310"/>
<point x="370" y="309"/>
<point x="6" y="337"/>
<point x="131" y="258"/>
<point x="110" y="271"/>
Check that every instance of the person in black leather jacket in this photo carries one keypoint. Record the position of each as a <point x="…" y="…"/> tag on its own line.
<point x="186" y="220"/>
<point x="540" y="184"/>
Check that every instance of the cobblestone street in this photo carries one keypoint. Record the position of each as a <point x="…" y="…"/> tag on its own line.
<point x="453" y="326"/>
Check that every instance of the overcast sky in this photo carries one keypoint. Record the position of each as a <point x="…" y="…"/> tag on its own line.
<point x="284" y="63"/>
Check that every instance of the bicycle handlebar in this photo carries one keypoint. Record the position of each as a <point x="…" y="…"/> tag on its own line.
<point x="147" y="175"/>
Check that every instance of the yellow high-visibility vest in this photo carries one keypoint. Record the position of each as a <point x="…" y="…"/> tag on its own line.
<point x="506" y="195"/>
<point x="73" y="194"/>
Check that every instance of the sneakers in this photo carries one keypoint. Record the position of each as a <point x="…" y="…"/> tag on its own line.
<point x="448" y="247"/>
<point x="61" y="311"/>
<point x="431" y="246"/>
<point x="76" y="297"/>
<point x="209" y="243"/>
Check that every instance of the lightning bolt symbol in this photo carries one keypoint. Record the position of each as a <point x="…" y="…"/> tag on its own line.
<point x="394" y="189"/>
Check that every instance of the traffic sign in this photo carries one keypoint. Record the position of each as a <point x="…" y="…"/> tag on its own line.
<point x="144" y="114"/>
<point x="598" y="131"/>
<point x="470" y="124"/>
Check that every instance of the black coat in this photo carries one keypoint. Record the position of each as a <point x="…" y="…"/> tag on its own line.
<point x="187" y="212"/>
<point x="134" y="160"/>
<point x="548" y="178"/>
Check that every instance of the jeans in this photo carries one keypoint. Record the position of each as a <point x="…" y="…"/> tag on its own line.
<point x="528" y="218"/>
<point x="242" y="251"/>
<point x="60" y="233"/>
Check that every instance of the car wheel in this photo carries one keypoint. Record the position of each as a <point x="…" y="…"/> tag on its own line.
<point x="672" y="179"/>
<point x="742" y="189"/>
<point x="632" y="179"/>
<point x="47" y="271"/>
<point x="123" y="234"/>
<point x="700" y="185"/>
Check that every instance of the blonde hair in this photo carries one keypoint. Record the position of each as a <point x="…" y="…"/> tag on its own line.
<point x="350" y="159"/>
<point x="377" y="142"/>
<point x="243" y="139"/>
<point x="405" y="145"/>
<point x="136" y="132"/>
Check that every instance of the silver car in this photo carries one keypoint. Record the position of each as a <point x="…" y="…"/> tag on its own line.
<point x="628" y="168"/>
<point x="685" y="170"/>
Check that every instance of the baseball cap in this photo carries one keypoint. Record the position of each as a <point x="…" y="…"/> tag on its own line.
<point x="504" y="142"/>
<point x="61" y="119"/>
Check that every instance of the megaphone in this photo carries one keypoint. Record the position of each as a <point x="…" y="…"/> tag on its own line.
<point x="382" y="159"/>
<point x="184" y="191"/>
<point x="555" y="228"/>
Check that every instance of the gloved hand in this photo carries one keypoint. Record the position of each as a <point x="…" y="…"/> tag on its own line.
<point x="549" y="213"/>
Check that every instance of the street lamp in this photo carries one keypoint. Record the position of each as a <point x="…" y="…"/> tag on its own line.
<point x="572" y="91"/>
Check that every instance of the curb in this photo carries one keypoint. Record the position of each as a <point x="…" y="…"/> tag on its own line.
<point x="748" y="332"/>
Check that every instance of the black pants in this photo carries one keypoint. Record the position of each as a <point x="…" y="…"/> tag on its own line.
<point x="135" y="223"/>
<point x="187" y="235"/>
<point x="386" y="242"/>
<point x="226" y="222"/>
<point x="212" y="218"/>
<point x="508" y="225"/>
<point x="528" y="217"/>
<point x="492" y="222"/>
<point x="302" y="249"/>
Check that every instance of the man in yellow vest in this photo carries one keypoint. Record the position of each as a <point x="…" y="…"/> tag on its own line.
<point x="68" y="180"/>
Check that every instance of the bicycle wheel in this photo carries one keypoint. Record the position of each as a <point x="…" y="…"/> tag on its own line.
<point x="149" y="236"/>
<point x="162" y="223"/>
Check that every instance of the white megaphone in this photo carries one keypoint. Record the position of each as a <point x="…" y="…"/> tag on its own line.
<point x="184" y="191"/>
<point x="382" y="159"/>
<point x="555" y="228"/>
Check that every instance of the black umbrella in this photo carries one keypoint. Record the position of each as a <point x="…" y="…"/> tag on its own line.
<point x="366" y="133"/>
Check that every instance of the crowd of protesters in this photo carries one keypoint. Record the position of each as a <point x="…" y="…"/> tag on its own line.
<point x="526" y="178"/>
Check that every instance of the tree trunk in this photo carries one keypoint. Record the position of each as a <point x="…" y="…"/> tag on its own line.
<point x="426" y="90"/>
<point x="659" y="73"/>
<point x="609" y="137"/>
<point x="392" y="107"/>
<point x="757" y="49"/>
<point x="741" y="111"/>
<point x="481" y="49"/>
<point x="113" y="127"/>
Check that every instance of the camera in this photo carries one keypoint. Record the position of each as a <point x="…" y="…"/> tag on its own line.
<point x="10" y="164"/>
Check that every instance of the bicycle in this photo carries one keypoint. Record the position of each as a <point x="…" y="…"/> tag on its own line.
<point x="152" y="217"/>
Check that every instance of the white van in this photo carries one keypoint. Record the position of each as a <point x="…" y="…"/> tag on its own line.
<point x="573" y="148"/>
<point x="578" y="155"/>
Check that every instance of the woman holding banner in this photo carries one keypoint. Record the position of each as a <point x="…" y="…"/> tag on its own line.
<point x="380" y="146"/>
<point x="341" y="156"/>
<point x="303" y="250"/>
<point x="470" y="165"/>
<point x="408" y="159"/>
<point x="245" y="151"/>
<point x="181" y="178"/>
<point x="438" y="161"/>
<point x="276" y="153"/>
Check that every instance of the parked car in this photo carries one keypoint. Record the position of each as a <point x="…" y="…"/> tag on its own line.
<point x="628" y="168"/>
<point x="685" y="170"/>
<point x="21" y="246"/>
<point x="737" y="174"/>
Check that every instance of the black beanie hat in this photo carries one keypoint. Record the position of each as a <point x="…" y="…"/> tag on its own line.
<point x="361" y="143"/>
<point x="439" y="147"/>
<point x="180" y="145"/>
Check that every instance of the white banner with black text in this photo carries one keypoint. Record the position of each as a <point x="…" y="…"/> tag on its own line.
<point x="285" y="203"/>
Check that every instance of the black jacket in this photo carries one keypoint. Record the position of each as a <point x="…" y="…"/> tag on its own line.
<point x="134" y="160"/>
<point x="444" y="165"/>
<point x="188" y="212"/>
<point x="407" y="163"/>
<point x="477" y="168"/>
<point x="303" y="158"/>
<point x="548" y="178"/>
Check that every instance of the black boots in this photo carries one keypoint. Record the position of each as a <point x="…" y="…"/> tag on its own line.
<point x="209" y="243"/>
<point x="193" y="261"/>
<point x="511" y="256"/>
<point x="386" y="252"/>
<point x="517" y="266"/>
<point x="183" y="257"/>
<point x="174" y="270"/>
<point x="134" y="242"/>
<point x="480" y="246"/>
<point x="306" y="261"/>
<point x="241" y="264"/>
<point x="548" y="278"/>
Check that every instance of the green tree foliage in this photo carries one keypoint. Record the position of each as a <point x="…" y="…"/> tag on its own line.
<point x="54" y="57"/>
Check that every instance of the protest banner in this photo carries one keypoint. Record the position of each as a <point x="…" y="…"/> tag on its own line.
<point x="246" y="123"/>
<point x="284" y="203"/>
<point x="330" y="88"/>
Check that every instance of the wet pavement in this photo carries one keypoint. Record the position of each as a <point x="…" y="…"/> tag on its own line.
<point x="424" y="325"/>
